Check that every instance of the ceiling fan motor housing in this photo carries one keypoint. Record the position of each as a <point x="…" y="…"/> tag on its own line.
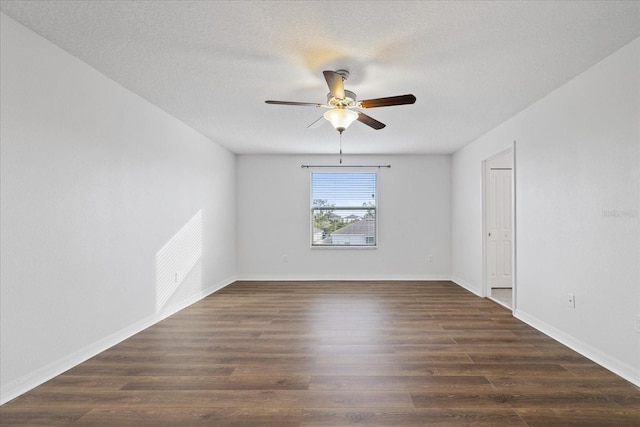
<point x="348" y="101"/>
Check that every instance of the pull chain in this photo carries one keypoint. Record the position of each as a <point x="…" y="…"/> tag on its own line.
<point x="340" y="147"/>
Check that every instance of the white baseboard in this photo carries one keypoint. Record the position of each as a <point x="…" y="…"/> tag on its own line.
<point x="25" y="383"/>
<point x="627" y="372"/>
<point x="305" y="278"/>
<point x="473" y="289"/>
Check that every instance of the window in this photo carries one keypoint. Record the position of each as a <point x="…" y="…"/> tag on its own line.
<point x="343" y="209"/>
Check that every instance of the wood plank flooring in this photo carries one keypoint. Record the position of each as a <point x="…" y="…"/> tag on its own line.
<point x="334" y="354"/>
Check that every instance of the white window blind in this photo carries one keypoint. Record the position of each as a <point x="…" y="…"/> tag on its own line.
<point x="343" y="209"/>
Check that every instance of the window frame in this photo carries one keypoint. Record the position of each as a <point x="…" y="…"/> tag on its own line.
<point x="312" y="209"/>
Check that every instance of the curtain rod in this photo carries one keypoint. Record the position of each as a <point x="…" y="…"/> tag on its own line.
<point x="344" y="166"/>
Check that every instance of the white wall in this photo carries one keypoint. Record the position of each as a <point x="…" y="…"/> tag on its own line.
<point x="103" y="199"/>
<point x="577" y="203"/>
<point x="414" y="214"/>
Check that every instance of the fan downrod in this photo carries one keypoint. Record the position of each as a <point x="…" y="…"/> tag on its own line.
<point x="343" y="73"/>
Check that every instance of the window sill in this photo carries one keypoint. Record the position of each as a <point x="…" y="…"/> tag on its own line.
<point x="343" y="247"/>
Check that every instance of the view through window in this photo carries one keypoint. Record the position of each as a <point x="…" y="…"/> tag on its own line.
<point x="343" y="209"/>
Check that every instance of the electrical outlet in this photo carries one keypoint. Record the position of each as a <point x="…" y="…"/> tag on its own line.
<point x="571" y="300"/>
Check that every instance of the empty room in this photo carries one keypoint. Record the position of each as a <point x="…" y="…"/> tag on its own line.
<point x="320" y="213"/>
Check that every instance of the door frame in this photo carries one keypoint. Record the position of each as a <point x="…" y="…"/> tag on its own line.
<point x="486" y="292"/>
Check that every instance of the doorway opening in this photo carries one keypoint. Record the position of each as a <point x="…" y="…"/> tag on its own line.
<point x="499" y="236"/>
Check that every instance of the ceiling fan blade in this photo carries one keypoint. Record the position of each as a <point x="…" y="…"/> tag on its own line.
<point x="336" y="85"/>
<point x="317" y="123"/>
<point x="306" y="104"/>
<point x="389" y="101"/>
<point x="370" y="121"/>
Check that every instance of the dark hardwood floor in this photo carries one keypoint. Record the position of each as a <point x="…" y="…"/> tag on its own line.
<point x="332" y="354"/>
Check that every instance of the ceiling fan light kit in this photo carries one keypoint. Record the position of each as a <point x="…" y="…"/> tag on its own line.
<point x="341" y="101"/>
<point x="341" y="118"/>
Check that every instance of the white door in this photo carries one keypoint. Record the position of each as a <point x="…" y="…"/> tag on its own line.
<point x="499" y="228"/>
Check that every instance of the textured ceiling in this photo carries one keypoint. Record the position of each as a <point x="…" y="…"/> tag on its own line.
<point x="471" y="64"/>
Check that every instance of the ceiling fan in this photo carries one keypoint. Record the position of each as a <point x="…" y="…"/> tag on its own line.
<point x="341" y="101"/>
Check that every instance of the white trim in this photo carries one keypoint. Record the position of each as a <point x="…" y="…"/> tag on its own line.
<point x="484" y="291"/>
<point x="25" y="383"/>
<point x="332" y="246"/>
<point x="627" y="372"/>
<point x="343" y="247"/>
<point x="284" y="278"/>
<point x="514" y="232"/>
<point x="497" y="301"/>
<point x="468" y="286"/>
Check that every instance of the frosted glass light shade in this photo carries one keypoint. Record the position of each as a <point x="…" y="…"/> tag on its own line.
<point x="341" y="118"/>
